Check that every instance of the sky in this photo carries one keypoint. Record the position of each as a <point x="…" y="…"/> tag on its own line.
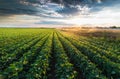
<point x="59" y="13"/>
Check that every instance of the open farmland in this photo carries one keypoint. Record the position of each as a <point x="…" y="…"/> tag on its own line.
<point x="59" y="54"/>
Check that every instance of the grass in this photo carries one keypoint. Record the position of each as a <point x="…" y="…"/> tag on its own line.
<point x="67" y="53"/>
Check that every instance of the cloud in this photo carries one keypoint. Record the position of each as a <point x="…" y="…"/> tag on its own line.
<point x="29" y="7"/>
<point x="56" y="12"/>
<point x="16" y="7"/>
<point x="53" y="23"/>
<point x="44" y="8"/>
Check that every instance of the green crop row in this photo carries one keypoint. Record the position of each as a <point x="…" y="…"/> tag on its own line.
<point x="109" y="68"/>
<point x="15" y="68"/>
<point x="112" y="56"/>
<point x="103" y="44"/>
<point x="40" y="67"/>
<point x="88" y="69"/>
<point x="51" y="54"/>
<point x="6" y="51"/>
<point x="9" y="58"/>
<point x="64" y="69"/>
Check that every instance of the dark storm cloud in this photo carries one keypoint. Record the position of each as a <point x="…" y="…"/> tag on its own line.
<point x="32" y="7"/>
<point x="94" y="5"/>
<point x="104" y="3"/>
<point x="84" y="2"/>
<point x="9" y="7"/>
<point x="68" y="10"/>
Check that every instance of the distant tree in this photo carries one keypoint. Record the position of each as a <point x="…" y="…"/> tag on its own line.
<point x="113" y="27"/>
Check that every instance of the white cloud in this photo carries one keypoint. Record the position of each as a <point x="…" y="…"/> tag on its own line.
<point x="106" y="16"/>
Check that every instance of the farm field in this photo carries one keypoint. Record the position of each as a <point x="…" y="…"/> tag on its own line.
<point x="29" y="53"/>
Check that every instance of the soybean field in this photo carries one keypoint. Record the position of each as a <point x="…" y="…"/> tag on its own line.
<point x="39" y="53"/>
